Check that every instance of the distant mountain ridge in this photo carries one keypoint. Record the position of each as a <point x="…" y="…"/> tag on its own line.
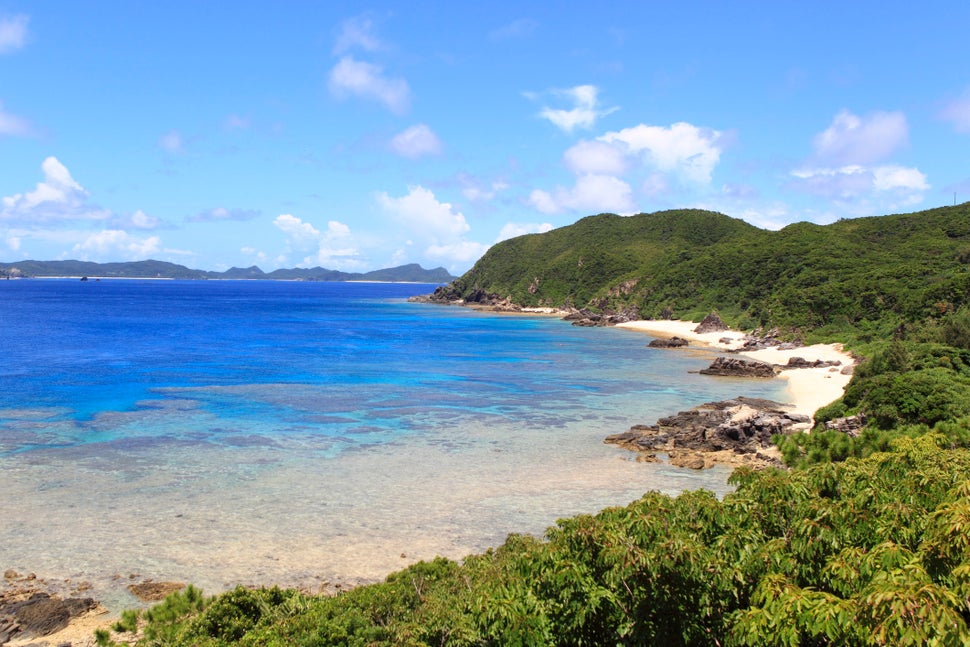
<point x="411" y="273"/>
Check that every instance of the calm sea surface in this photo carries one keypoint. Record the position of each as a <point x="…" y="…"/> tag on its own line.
<point x="229" y="432"/>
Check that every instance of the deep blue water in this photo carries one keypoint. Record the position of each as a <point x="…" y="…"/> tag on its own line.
<point x="336" y="415"/>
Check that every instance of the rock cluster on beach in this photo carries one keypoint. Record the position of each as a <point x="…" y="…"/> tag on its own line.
<point x="734" y="431"/>
<point x="28" y="608"/>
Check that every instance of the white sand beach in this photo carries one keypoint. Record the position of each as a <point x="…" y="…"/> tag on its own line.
<point x="809" y="388"/>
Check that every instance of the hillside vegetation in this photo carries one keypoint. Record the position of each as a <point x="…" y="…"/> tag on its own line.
<point x="861" y="276"/>
<point x="864" y="541"/>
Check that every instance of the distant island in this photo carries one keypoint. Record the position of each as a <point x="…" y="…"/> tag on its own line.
<point x="411" y="273"/>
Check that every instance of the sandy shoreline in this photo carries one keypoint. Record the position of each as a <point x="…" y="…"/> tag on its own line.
<point x="809" y="389"/>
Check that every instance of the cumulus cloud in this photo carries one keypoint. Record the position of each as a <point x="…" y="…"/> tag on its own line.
<point x="591" y="194"/>
<point x="350" y="77"/>
<point x="683" y="149"/>
<point x="112" y="242"/>
<point x="11" y="124"/>
<point x="851" y="139"/>
<point x="417" y="141"/>
<point x="957" y="112"/>
<point x="596" y="157"/>
<point x="55" y="199"/>
<point x="435" y="225"/>
<point x="514" y="229"/>
<point x="584" y="113"/>
<point x="861" y="189"/>
<point x="333" y="248"/>
<point x="13" y="33"/>
<point x="844" y="165"/>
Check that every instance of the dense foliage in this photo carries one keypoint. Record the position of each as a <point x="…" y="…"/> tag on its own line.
<point x="860" y="276"/>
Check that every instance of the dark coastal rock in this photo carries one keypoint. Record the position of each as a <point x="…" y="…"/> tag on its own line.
<point x="673" y="342"/>
<point x="742" y="427"/>
<point x="38" y="615"/>
<point x="588" y="318"/>
<point x="801" y="362"/>
<point x="711" y="323"/>
<point x="735" y="367"/>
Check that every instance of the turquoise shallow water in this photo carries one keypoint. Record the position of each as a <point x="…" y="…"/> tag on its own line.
<point x="308" y="433"/>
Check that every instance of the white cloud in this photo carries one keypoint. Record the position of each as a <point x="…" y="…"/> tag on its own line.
<point x="333" y="248"/>
<point x="863" y="189"/>
<point x="416" y="141"/>
<point x="13" y="33"/>
<point x="13" y="125"/>
<point x="420" y="210"/>
<point x="514" y="229"/>
<point x="596" y="157"/>
<point x="584" y="113"/>
<point x="860" y="140"/>
<point x="57" y="198"/>
<point x="478" y="191"/>
<point x="434" y="226"/>
<point x="139" y="220"/>
<point x="350" y="77"/>
<point x="171" y="142"/>
<point x="357" y="32"/>
<point x="683" y="149"/>
<point x="893" y="178"/>
<point x="110" y="242"/>
<point x="590" y="194"/>
<point x="301" y="235"/>
<point x="957" y="112"/>
<point x="464" y="251"/>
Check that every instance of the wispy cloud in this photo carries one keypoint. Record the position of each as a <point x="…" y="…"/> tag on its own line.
<point x="957" y="112"/>
<point x="13" y="33"/>
<point x="521" y="28"/>
<point x="350" y="77"/>
<point x="417" y="141"/>
<point x="585" y="112"/>
<point x="12" y="125"/>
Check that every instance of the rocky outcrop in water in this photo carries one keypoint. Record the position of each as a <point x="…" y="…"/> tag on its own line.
<point x="672" y="342"/>
<point x="736" y="367"/>
<point x="737" y="431"/>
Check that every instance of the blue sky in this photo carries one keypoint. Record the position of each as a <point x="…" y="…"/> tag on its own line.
<point x="361" y="136"/>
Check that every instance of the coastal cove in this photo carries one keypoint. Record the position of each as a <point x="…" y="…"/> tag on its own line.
<point x="309" y="435"/>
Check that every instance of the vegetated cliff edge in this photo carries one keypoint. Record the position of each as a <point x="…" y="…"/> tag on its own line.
<point x="849" y="275"/>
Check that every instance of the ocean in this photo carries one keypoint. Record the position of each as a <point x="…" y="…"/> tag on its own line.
<point x="309" y="434"/>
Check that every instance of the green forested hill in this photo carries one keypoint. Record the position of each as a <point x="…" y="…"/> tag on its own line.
<point x="685" y="263"/>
